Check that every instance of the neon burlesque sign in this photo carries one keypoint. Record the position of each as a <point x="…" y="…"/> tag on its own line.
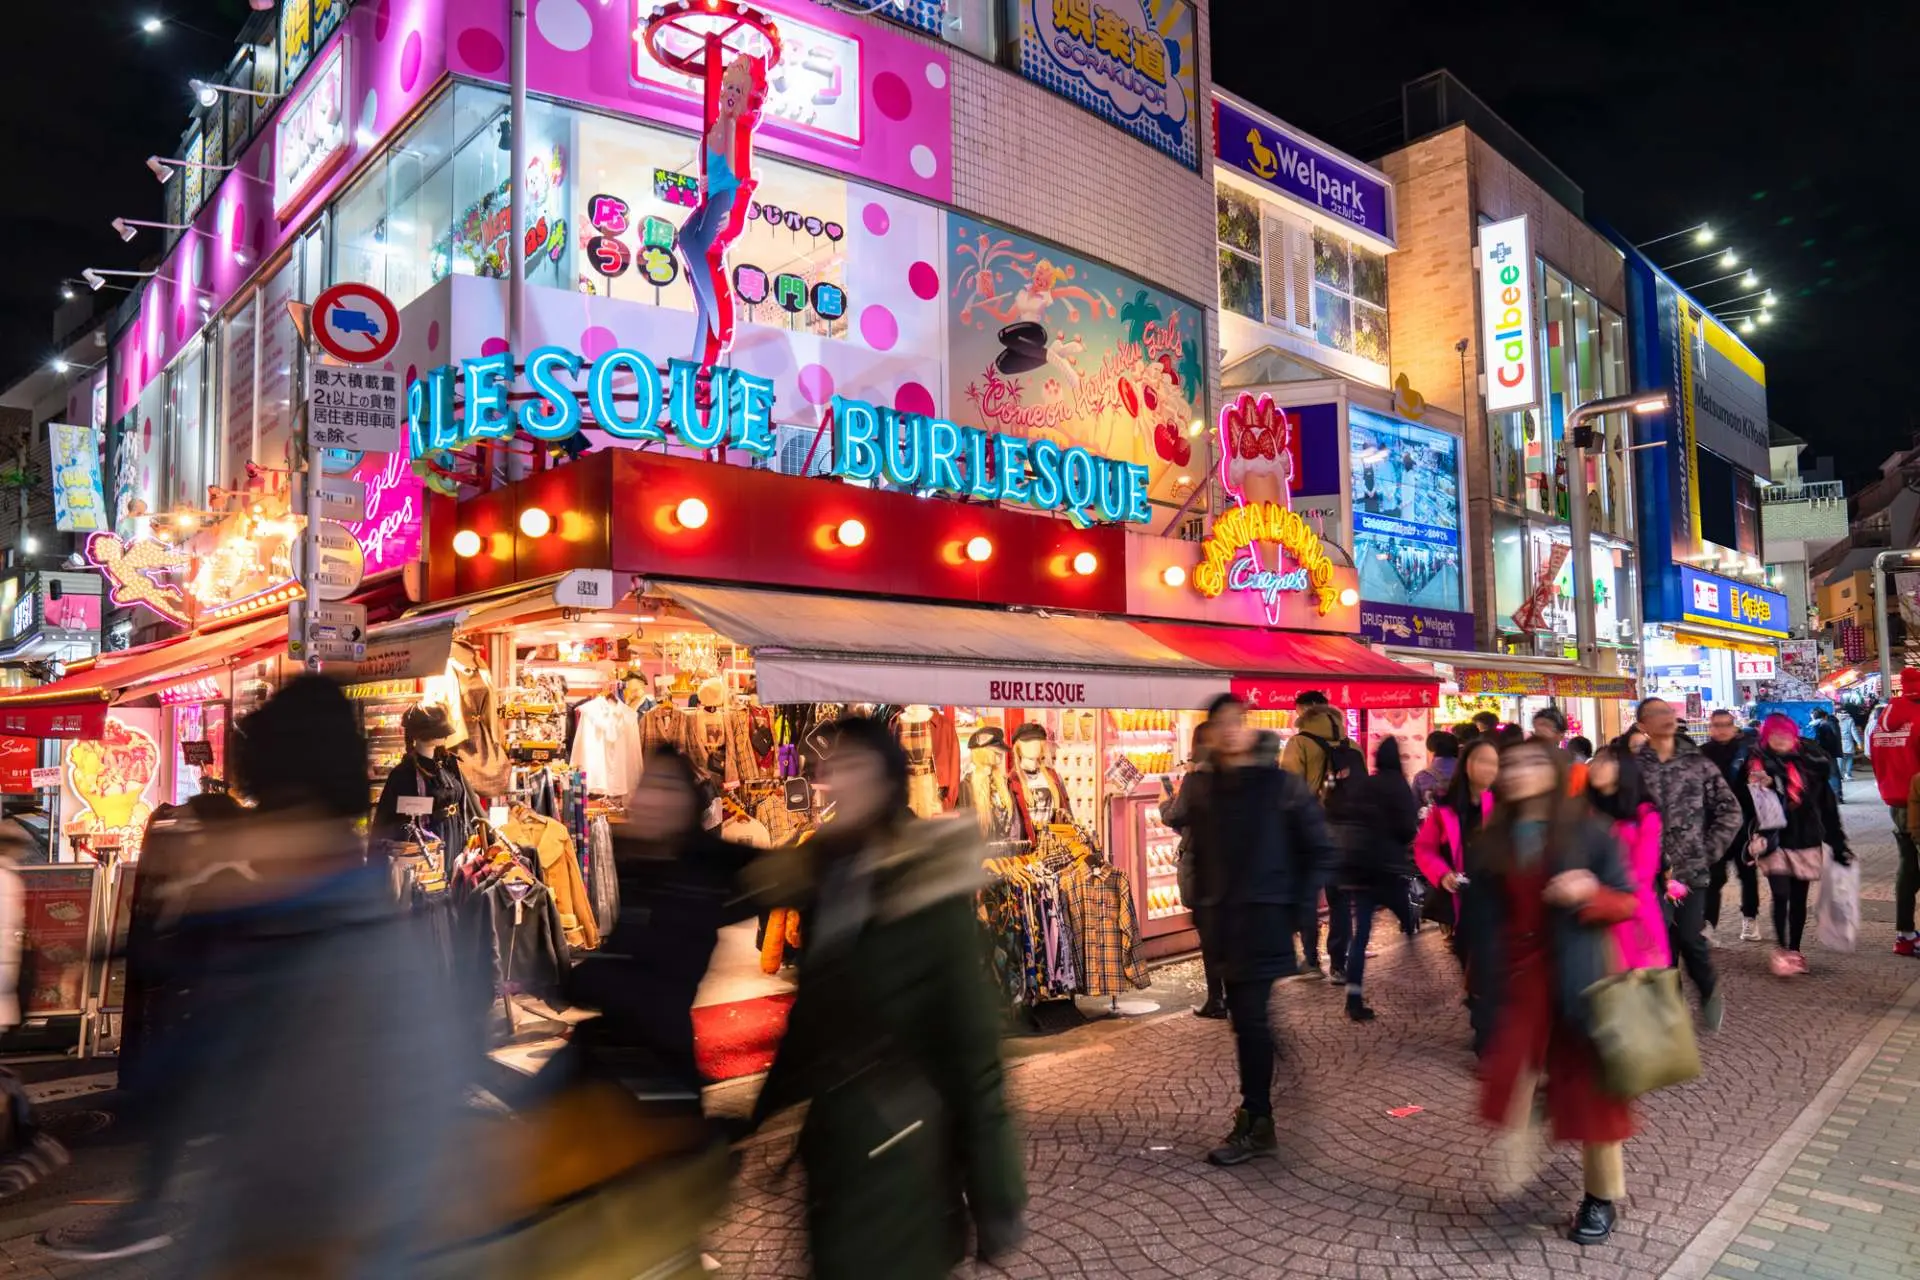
<point x="870" y="443"/>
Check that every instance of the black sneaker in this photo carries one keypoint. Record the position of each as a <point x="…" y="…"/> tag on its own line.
<point x="1211" y="1009"/>
<point x="1357" y="1008"/>
<point x="30" y="1165"/>
<point x="1593" y="1222"/>
<point x="1251" y="1139"/>
<point x="126" y="1235"/>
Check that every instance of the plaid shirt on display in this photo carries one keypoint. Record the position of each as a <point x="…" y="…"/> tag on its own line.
<point x="1100" y="902"/>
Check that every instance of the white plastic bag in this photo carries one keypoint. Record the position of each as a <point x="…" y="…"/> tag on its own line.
<point x="1839" y="905"/>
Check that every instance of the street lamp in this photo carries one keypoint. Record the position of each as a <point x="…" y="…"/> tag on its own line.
<point x="1702" y="234"/>
<point x="1578" y="436"/>
<point x="125" y="226"/>
<point x="209" y="93"/>
<point x="163" y="168"/>
<point x="96" y="276"/>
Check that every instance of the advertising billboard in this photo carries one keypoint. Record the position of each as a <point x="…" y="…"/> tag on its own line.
<point x="1405" y="483"/>
<point x="1509" y="345"/>
<point x="1130" y="62"/>
<point x="1049" y="346"/>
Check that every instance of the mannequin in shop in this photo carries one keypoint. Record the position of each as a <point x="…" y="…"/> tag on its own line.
<point x="479" y="738"/>
<point x="427" y="786"/>
<point x="721" y="737"/>
<point x="933" y="758"/>
<point x="606" y="744"/>
<point x="986" y="791"/>
<point x="1037" y="787"/>
<point x="663" y="725"/>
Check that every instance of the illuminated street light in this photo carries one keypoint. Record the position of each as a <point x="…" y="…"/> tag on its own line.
<point x="1702" y="234"/>
<point x="151" y="25"/>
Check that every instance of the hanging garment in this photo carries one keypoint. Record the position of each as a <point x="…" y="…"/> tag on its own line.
<point x="509" y="932"/>
<point x="946" y="755"/>
<point x="602" y="875"/>
<point x="606" y="746"/>
<point x="441" y="781"/>
<point x="483" y="756"/>
<point x="720" y="744"/>
<point x="559" y="868"/>
<point x="1042" y="797"/>
<point x="762" y="739"/>
<point x="663" y="725"/>
<point x="923" y="788"/>
<point x="1100" y="902"/>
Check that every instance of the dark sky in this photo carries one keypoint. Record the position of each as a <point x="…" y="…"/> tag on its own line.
<point x="1786" y="126"/>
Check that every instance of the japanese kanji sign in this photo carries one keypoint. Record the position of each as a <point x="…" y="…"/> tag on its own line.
<point x="353" y="409"/>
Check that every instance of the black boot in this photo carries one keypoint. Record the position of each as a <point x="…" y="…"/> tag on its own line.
<point x="1213" y="1008"/>
<point x="1357" y="1008"/>
<point x="1593" y="1223"/>
<point x="1252" y="1138"/>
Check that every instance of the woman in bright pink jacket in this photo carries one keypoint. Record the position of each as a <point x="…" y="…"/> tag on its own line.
<point x="1615" y="791"/>
<point x="1439" y="850"/>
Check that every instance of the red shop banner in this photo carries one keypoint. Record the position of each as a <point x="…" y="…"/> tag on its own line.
<point x="18" y="756"/>
<point x="1276" y="693"/>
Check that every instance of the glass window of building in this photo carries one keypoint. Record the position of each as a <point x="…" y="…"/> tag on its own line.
<point x="1240" y="273"/>
<point x="1277" y="269"/>
<point x="190" y="450"/>
<point x="1509" y="569"/>
<point x="239" y="348"/>
<point x="1349" y="297"/>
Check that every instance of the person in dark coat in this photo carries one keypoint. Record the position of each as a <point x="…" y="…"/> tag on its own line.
<point x="1176" y="815"/>
<point x="893" y="1043"/>
<point x="1728" y="746"/>
<point x="1376" y="859"/>
<point x="1544" y="886"/>
<point x="679" y="886"/>
<point x="1792" y="857"/>
<point x="1260" y="846"/>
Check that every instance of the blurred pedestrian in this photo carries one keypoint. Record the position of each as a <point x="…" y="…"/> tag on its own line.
<point x="329" y="1066"/>
<point x="27" y="1153"/>
<point x="1699" y="816"/>
<point x="679" y="886"/>
<point x="1825" y="732"/>
<point x="1893" y="750"/>
<point x="1465" y="732"/>
<point x="1617" y="793"/>
<point x="893" y="1042"/>
<point x="1176" y="813"/>
<point x="1544" y="886"/>
<point x="1430" y="782"/>
<point x="1376" y="858"/>
<point x="1792" y="773"/>
<point x="1486" y="723"/>
<point x="1579" y="752"/>
<point x="1728" y="746"/>
<point x="1439" y="850"/>
<point x="1313" y="754"/>
<point x="1260" y="845"/>
<point x="1549" y="726"/>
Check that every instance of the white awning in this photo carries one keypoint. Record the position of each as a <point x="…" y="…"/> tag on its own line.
<point x="835" y="649"/>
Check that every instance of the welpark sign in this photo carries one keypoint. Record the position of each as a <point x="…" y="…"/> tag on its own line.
<point x="726" y="408"/>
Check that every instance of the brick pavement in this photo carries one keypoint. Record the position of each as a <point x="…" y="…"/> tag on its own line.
<point x="1116" y="1128"/>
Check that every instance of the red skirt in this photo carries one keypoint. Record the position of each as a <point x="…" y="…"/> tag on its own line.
<point x="1528" y="1040"/>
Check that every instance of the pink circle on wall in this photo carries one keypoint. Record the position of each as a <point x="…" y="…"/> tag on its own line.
<point x="180" y="324"/>
<point x="879" y="328"/>
<point x="413" y="375"/>
<point x="433" y="335"/>
<point x="382" y="19"/>
<point x="493" y="346"/>
<point x="481" y="50"/>
<point x="924" y="279"/>
<point x="238" y="230"/>
<point x="410" y="62"/>
<point x="914" y="398"/>
<point x="891" y="96"/>
<point x="596" y="341"/>
<point x="877" y="218"/>
<point x="257" y="237"/>
<point x="816" y="384"/>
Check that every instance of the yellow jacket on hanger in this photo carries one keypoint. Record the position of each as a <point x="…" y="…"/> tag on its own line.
<point x="560" y="871"/>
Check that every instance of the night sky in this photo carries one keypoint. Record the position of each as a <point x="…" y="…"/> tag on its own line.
<point x="1788" y="127"/>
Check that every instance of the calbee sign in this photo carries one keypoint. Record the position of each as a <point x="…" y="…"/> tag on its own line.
<point x="1507" y="338"/>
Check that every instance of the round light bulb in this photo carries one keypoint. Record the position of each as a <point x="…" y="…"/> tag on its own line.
<point x="1349" y="597"/>
<point x="851" y="533"/>
<point x="979" y="549"/>
<point x="1174" y="576"/>
<point x="1085" y="563"/>
<point x="691" y="513"/>
<point x="535" y="522"/>
<point x="1195" y="427"/>
<point x="466" y="543"/>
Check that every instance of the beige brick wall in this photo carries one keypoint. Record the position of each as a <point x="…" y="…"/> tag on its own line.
<point x="1442" y="186"/>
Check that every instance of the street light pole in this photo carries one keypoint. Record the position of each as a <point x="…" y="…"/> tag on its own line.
<point x="1577" y="516"/>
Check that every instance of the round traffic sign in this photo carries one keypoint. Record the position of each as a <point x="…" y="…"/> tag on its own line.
<point x="355" y="323"/>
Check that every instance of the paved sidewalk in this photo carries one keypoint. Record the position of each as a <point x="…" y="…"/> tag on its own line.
<point x="1812" y="1076"/>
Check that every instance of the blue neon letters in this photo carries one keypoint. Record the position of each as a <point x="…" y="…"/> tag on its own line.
<point x="627" y="395"/>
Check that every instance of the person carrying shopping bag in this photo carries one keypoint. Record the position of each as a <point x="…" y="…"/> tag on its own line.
<point x="1798" y="817"/>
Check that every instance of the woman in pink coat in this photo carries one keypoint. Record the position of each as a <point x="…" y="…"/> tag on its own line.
<point x="1615" y="791"/>
<point x="1439" y="850"/>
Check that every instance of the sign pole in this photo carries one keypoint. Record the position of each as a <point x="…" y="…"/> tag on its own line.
<point x="306" y="471"/>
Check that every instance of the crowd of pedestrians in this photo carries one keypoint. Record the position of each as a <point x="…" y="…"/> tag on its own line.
<point x="1550" y="864"/>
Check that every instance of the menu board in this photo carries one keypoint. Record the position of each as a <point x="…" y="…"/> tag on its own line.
<point x="53" y="953"/>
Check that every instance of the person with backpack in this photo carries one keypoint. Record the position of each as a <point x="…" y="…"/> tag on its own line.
<point x="1320" y="731"/>
<point x="1374" y="821"/>
<point x="1826" y="735"/>
<point x="1432" y="782"/>
<point x="1894" y="751"/>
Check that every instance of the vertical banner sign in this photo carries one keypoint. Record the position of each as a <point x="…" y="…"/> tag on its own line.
<point x="1507" y="338"/>
<point x="1683" y="460"/>
<point x="79" y="503"/>
<point x="1532" y="616"/>
<point x="1130" y="62"/>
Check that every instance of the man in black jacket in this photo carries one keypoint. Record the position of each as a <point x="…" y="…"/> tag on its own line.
<point x="1728" y="746"/>
<point x="1260" y="845"/>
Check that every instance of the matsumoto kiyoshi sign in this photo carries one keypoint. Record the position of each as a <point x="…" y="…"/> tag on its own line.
<point x="629" y="397"/>
<point x="1706" y="597"/>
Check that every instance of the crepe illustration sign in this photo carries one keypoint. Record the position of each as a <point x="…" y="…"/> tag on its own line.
<point x="1231" y="561"/>
<point x="1045" y="346"/>
<point x="111" y="782"/>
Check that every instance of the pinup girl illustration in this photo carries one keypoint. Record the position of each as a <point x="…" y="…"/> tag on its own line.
<point x="727" y="167"/>
<point x="1256" y="458"/>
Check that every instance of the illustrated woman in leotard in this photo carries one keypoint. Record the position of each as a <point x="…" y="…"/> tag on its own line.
<point x="729" y="184"/>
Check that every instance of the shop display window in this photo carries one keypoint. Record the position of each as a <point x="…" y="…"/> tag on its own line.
<point x="198" y="722"/>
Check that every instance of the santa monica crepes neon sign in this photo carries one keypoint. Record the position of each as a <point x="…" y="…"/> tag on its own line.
<point x="870" y="443"/>
<point x="1256" y="466"/>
